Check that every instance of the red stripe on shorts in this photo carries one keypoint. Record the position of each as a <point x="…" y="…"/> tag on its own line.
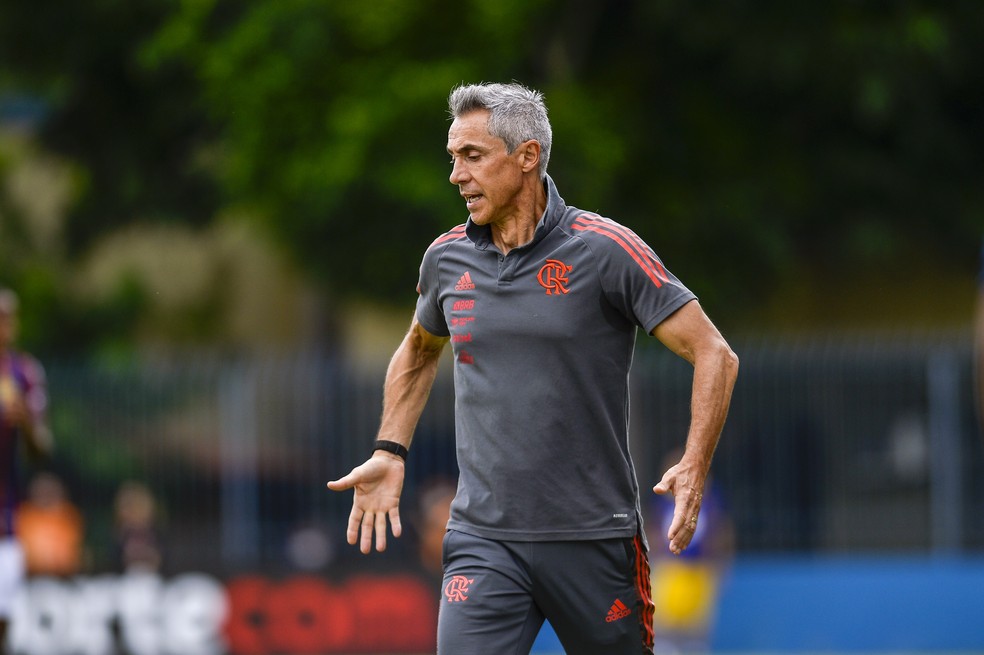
<point x="644" y="589"/>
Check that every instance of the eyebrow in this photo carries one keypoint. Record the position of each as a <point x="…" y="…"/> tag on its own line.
<point x="466" y="147"/>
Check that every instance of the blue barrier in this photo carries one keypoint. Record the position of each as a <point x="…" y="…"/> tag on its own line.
<point x="845" y="604"/>
<point x="852" y="604"/>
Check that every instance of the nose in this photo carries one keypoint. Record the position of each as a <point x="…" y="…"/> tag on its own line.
<point x="458" y="172"/>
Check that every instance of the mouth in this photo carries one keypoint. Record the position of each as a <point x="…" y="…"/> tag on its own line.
<point x="471" y="199"/>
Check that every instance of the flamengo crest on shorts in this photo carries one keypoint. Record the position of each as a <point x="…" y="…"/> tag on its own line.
<point x="456" y="590"/>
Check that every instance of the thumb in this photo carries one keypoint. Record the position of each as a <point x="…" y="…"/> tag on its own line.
<point x="662" y="488"/>
<point x="342" y="484"/>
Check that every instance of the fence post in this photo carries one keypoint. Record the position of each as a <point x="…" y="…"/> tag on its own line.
<point x="946" y="473"/>
<point x="239" y="466"/>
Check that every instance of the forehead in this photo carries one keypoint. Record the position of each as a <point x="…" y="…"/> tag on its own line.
<point x="471" y="129"/>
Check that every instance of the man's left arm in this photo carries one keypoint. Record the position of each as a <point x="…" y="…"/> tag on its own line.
<point x="689" y="333"/>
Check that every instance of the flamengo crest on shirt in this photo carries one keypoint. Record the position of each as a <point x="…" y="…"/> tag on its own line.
<point x="553" y="277"/>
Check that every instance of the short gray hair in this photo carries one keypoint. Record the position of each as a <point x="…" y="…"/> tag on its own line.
<point x="516" y="114"/>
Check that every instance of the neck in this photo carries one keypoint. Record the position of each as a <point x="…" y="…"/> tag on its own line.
<point x="517" y="229"/>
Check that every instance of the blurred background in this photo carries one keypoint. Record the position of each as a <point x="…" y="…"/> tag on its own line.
<point x="213" y="212"/>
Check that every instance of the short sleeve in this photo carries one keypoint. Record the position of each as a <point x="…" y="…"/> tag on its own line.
<point x="430" y="312"/>
<point x="634" y="278"/>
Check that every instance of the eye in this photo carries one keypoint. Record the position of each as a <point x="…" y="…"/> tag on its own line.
<point x="471" y="156"/>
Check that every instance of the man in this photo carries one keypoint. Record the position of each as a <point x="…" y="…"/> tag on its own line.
<point x="540" y="302"/>
<point x="23" y="400"/>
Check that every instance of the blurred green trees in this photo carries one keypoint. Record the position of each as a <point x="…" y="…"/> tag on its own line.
<point x="794" y="151"/>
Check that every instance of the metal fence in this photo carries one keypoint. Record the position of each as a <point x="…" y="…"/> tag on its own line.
<point x="865" y="443"/>
<point x="832" y="444"/>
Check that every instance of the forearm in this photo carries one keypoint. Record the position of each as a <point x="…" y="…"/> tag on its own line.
<point x="378" y="482"/>
<point x="715" y="372"/>
<point x="409" y="379"/>
<point x="691" y="335"/>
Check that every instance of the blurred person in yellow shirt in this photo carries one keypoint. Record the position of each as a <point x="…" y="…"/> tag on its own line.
<point x="686" y="588"/>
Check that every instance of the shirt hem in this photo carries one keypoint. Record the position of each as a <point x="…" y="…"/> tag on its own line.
<point x="668" y="310"/>
<point x="550" y="535"/>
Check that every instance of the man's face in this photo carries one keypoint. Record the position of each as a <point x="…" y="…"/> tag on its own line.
<point x="487" y="177"/>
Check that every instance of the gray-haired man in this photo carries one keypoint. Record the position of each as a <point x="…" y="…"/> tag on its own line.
<point x="541" y="303"/>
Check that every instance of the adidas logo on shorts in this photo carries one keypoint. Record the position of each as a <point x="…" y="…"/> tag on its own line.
<point x="618" y="611"/>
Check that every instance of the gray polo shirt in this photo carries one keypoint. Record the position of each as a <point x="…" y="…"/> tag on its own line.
<point x="543" y="340"/>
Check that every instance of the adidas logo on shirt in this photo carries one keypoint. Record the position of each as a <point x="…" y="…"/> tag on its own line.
<point x="465" y="283"/>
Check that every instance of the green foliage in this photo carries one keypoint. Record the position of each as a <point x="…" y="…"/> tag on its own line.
<point x="135" y="131"/>
<point x="749" y="142"/>
<point x="333" y="121"/>
<point x="745" y="140"/>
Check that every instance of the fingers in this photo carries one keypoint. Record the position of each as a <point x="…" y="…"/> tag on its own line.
<point x="352" y="531"/>
<point x="686" y="509"/>
<point x="395" y="524"/>
<point x="678" y="545"/>
<point x="380" y="532"/>
<point x="682" y="531"/>
<point x="365" y="542"/>
<point x="362" y="526"/>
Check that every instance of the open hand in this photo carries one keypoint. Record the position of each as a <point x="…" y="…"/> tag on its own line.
<point x="687" y="490"/>
<point x="378" y="484"/>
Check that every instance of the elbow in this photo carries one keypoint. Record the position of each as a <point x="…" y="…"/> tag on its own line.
<point x="730" y="362"/>
<point x="717" y="356"/>
<point x="724" y="358"/>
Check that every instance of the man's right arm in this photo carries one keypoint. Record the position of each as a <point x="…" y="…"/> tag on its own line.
<point x="409" y="379"/>
<point x="378" y="482"/>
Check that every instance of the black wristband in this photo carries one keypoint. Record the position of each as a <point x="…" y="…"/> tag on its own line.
<point x="391" y="447"/>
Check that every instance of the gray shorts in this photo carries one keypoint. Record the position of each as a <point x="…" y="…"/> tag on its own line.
<point x="595" y="594"/>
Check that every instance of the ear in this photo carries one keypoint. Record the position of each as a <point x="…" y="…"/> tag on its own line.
<point x="529" y="152"/>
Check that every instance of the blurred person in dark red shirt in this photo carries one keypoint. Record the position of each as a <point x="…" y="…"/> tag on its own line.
<point x="979" y="345"/>
<point x="23" y="405"/>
